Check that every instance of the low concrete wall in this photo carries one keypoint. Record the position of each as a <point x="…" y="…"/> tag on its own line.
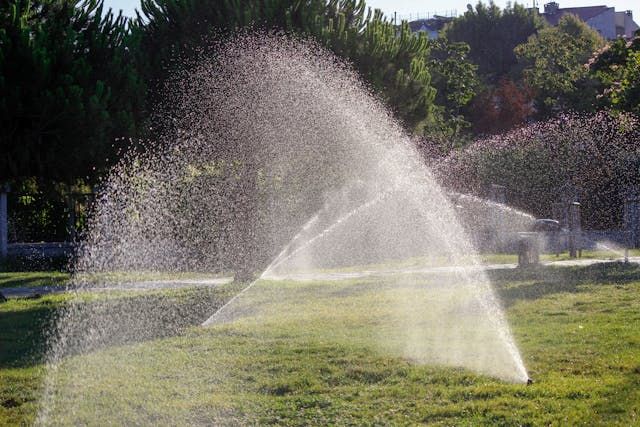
<point x="40" y="249"/>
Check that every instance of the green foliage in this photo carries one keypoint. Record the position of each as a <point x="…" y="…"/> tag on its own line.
<point x="617" y="69"/>
<point x="31" y="279"/>
<point x="455" y="81"/>
<point x="37" y="211"/>
<point x="492" y="34"/>
<point x="554" y="60"/>
<point x="67" y="88"/>
<point x="393" y="60"/>
<point x="598" y="154"/>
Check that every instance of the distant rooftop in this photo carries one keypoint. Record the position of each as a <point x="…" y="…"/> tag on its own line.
<point x="431" y="26"/>
<point x="553" y="13"/>
<point x="435" y="23"/>
<point x="609" y="23"/>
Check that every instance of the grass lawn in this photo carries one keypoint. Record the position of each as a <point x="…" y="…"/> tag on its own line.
<point x="55" y="278"/>
<point x="578" y="329"/>
<point x="484" y="258"/>
<point x="32" y="279"/>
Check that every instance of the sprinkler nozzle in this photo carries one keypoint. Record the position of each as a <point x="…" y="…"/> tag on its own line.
<point x="529" y="381"/>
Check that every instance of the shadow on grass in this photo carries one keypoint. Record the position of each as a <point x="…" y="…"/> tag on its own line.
<point x="32" y="279"/>
<point x="618" y="402"/>
<point x="108" y="321"/>
<point x="22" y="333"/>
<point x="539" y="282"/>
<point x="103" y="322"/>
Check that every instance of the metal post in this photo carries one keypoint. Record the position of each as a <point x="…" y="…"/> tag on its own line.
<point x="4" y="227"/>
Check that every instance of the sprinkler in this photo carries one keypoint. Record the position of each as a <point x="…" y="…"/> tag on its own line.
<point x="529" y="381"/>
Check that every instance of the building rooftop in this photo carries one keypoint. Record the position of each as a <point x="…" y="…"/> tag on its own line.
<point x="553" y="13"/>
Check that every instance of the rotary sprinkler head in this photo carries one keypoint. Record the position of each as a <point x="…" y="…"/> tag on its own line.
<point x="529" y="381"/>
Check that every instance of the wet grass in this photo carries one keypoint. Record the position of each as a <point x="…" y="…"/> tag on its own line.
<point x="22" y="338"/>
<point x="32" y="279"/>
<point x="483" y="258"/>
<point x="578" y="329"/>
<point x="143" y="276"/>
<point x="56" y="278"/>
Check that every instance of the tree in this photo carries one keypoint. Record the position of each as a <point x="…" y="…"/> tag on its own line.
<point x="393" y="60"/>
<point x="456" y="82"/>
<point x="67" y="89"/>
<point x="554" y="65"/>
<point x="176" y="34"/>
<point x="502" y="108"/>
<point x="617" y="70"/>
<point x="598" y="153"/>
<point x="492" y="34"/>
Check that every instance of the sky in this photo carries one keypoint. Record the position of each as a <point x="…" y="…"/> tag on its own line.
<point x="420" y="8"/>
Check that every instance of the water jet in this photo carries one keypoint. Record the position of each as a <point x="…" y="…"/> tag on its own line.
<point x="282" y="163"/>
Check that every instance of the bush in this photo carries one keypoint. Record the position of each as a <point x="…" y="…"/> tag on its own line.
<point x="598" y="155"/>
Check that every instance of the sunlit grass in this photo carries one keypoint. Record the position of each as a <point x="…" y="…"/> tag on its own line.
<point x="31" y="279"/>
<point x="578" y="330"/>
<point x="140" y="276"/>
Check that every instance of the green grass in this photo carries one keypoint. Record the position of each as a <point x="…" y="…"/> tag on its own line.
<point x="22" y="325"/>
<point x="53" y="278"/>
<point x="590" y="254"/>
<point x="484" y="258"/>
<point x="138" y="276"/>
<point x="32" y="279"/>
<point x="56" y="278"/>
<point x="578" y="329"/>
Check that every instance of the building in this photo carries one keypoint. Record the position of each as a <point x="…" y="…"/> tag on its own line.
<point x="625" y="25"/>
<point x="431" y="26"/>
<point x="609" y="23"/>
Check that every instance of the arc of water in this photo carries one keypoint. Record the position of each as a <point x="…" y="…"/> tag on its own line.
<point x="215" y="315"/>
<point x="329" y="229"/>
<point x="486" y="297"/>
<point x="278" y="260"/>
<point x="212" y="318"/>
<point x="296" y="237"/>
<point x="497" y="205"/>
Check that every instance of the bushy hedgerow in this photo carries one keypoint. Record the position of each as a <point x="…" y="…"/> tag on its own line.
<point x="596" y="156"/>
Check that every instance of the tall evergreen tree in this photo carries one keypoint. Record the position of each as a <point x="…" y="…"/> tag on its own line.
<point x="492" y="34"/>
<point x="68" y="88"/>
<point x="393" y="60"/>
